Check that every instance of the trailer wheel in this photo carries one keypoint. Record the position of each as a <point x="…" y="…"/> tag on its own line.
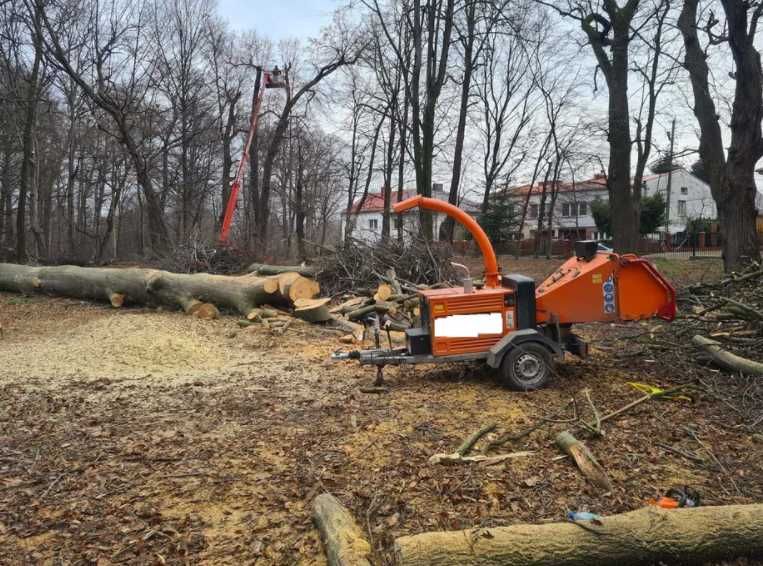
<point x="526" y="367"/>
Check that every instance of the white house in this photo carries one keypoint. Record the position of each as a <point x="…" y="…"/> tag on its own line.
<point x="368" y="218"/>
<point x="572" y="219"/>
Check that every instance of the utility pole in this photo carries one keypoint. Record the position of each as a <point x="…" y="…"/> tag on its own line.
<point x="672" y="137"/>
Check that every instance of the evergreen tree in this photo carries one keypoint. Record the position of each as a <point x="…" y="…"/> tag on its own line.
<point x="499" y="220"/>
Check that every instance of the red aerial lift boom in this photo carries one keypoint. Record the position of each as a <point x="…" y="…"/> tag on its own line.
<point x="273" y="79"/>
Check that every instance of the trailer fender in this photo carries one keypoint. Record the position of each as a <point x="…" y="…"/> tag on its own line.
<point x="514" y="339"/>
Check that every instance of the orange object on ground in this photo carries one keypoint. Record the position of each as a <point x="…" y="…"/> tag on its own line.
<point x="664" y="502"/>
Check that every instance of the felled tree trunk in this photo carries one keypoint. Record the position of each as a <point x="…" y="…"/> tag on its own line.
<point x="198" y="293"/>
<point x="646" y="536"/>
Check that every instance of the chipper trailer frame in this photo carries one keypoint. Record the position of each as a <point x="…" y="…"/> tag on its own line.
<point x="515" y="326"/>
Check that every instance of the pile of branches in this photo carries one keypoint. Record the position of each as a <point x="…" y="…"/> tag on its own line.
<point x="359" y="265"/>
<point x="198" y="256"/>
<point x="719" y="326"/>
<point x="725" y="320"/>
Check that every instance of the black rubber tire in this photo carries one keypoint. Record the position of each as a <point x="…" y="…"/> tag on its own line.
<point x="526" y="367"/>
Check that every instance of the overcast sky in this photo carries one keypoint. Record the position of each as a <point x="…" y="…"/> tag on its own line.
<point x="278" y="19"/>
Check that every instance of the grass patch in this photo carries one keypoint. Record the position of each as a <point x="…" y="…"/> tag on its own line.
<point x="20" y="300"/>
<point x="686" y="272"/>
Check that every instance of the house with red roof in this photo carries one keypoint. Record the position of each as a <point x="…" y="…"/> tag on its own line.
<point x="368" y="214"/>
<point x="571" y="219"/>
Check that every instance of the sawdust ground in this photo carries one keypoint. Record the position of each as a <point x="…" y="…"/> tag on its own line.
<point x="140" y="437"/>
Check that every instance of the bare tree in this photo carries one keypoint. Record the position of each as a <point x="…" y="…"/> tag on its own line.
<point x="731" y="176"/>
<point x="609" y="34"/>
<point x="431" y="27"/>
<point x="115" y="40"/>
<point x="344" y="50"/>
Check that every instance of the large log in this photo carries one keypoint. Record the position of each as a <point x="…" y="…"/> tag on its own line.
<point x="342" y="537"/>
<point x="646" y="536"/>
<point x="197" y="293"/>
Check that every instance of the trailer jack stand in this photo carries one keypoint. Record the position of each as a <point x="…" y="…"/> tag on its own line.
<point x="379" y="376"/>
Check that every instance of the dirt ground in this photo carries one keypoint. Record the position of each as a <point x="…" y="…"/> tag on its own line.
<point x="143" y="437"/>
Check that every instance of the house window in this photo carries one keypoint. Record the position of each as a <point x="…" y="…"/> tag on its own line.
<point x="566" y="210"/>
<point x="533" y="211"/>
<point x="682" y="208"/>
<point x="684" y="190"/>
<point x="373" y="223"/>
<point x="582" y="208"/>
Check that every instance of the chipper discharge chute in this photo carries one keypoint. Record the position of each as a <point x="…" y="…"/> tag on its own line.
<point x="514" y="325"/>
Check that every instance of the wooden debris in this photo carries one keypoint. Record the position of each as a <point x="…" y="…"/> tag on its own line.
<point x="456" y="458"/>
<point x="343" y="539"/>
<point x="460" y="456"/>
<point x="312" y="310"/>
<point x="726" y="359"/>
<point x="472" y="439"/>
<point x="265" y="269"/>
<point x="584" y="459"/>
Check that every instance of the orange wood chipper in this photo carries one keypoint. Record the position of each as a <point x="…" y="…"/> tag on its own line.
<point x="513" y="325"/>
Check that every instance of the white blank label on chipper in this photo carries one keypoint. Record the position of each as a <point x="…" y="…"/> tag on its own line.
<point x="468" y="325"/>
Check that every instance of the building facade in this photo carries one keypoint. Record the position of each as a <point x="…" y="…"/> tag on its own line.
<point x="369" y="217"/>
<point x="572" y="218"/>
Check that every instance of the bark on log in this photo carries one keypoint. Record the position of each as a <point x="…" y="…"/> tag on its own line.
<point x="198" y="293"/>
<point x="342" y="537"/>
<point x="265" y="269"/>
<point x="358" y="314"/>
<point x="350" y="305"/>
<point x="726" y="359"/>
<point x="645" y="536"/>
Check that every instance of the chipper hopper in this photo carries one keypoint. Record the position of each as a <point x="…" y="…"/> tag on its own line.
<point x="516" y="326"/>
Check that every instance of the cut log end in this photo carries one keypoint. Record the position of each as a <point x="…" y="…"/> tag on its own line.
<point x="117" y="299"/>
<point x="205" y="311"/>
<point x="383" y="292"/>
<point x="312" y="310"/>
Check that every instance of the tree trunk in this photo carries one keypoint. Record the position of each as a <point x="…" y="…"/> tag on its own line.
<point x="30" y="117"/>
<point x="731" y="182"/>
<point x="446" y="228"/>
<point x="646" y="536"/>
<point x="623" y="204"/>
<point x="154" y="287"/>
